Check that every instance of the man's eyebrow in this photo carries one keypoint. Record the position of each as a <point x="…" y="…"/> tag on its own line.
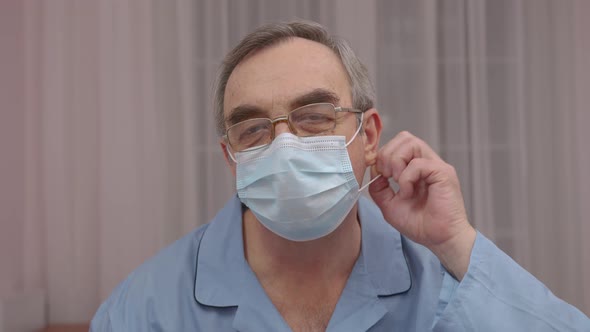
<point x="244" y="112"/>
<point x="315" y="96"/>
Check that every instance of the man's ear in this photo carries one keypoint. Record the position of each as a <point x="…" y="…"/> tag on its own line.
<point x="372" y="127"/>
<point x="228" y="160"/>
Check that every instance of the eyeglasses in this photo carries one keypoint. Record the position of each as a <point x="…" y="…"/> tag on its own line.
<point x="309" y="120"/>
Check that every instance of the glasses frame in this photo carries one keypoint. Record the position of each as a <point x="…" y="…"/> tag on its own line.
<point x="286" y="118"/>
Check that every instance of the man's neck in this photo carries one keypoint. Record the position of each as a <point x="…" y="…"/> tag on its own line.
<point x="331" y="257"/>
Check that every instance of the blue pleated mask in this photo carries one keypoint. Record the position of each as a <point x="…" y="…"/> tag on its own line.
<point x="300" y="188"/>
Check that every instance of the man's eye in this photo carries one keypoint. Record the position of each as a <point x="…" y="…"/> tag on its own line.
<point x="313" y="118"/>
<point x="254" y="131"/>
<point x="316" y="117"/>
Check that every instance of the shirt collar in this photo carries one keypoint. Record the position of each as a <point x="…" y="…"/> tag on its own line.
<point x="382" y="251"/>
<point x="221" y="270"/>
<point x="223" y="278"/>
<point x="223" y="275"/>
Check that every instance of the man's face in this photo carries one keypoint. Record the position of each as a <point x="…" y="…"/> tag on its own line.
<point x="290" y="74"/>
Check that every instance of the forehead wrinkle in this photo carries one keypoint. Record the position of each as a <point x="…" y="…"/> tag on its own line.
<point x="244" y="112"/>
<point x="317" y="95"/>
<point x="261" y="78"/>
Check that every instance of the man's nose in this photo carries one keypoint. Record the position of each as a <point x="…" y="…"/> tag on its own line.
<point x="281" y="127"/>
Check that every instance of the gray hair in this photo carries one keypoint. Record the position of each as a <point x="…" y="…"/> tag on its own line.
<point x="363" y="93"/>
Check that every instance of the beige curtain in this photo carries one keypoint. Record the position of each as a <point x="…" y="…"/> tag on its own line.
<point x="125" y="158"/>
<point x="120" y="157"/>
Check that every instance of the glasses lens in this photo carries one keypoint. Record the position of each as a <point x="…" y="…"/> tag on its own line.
<point x="249" y="134"/>
<point x="313" y="119"/>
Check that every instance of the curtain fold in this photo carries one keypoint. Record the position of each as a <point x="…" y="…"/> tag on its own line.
<point x="122" y="158"/>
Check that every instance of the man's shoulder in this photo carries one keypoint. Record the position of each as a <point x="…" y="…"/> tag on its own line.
<point x="171" y="264"/>
<point x="163" y="278"/>
<point x="161" y="292"/>
<point x="175" y="259"/>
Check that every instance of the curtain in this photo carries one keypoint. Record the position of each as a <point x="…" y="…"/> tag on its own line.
<point x="120" y="155"/>
<point x="125" y="157"/>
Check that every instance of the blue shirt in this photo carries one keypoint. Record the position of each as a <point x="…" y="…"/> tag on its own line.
<point x="202" y="282"/>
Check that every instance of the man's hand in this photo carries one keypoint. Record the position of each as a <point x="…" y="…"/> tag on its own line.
<point x="429" y="207"/>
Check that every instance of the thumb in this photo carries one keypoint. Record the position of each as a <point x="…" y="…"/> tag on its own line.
<point x="381" y="192"/>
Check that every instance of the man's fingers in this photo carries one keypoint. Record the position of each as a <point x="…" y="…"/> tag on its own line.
<point x="420" y="169"/>
<point x="394" y="156"/>
<point x="387" y="152"/>
<point x="381" y="191"/>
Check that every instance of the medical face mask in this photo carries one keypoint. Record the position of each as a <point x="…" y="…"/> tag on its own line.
<point x="300" y="188"/>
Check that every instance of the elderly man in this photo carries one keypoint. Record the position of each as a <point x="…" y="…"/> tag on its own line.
<point x="297" y="249"/>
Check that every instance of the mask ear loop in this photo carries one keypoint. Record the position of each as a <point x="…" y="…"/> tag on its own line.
<point x="352" y="139"/>
<point x="231" y="156"/>
<point x="357" y="131"/>
<point x="369" y="183"/>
